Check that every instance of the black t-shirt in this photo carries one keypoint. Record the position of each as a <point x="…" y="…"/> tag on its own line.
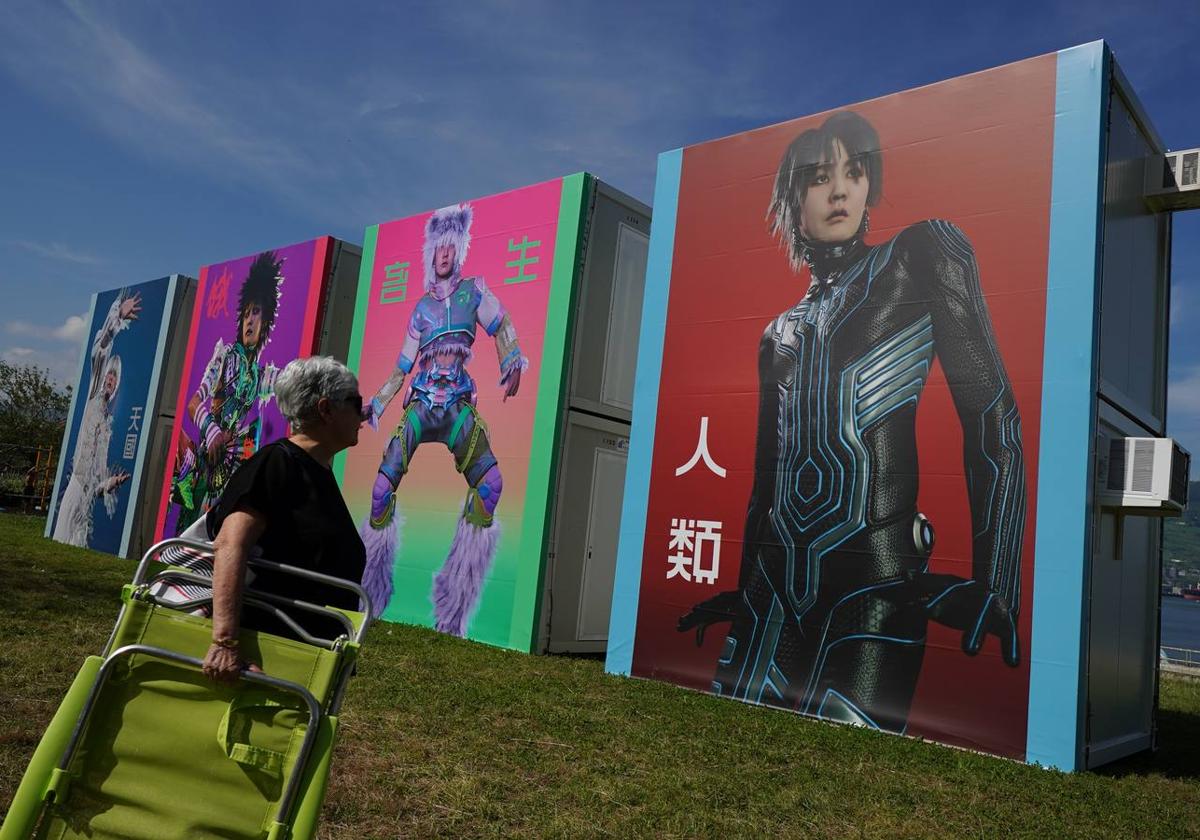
<point x="308" y="526"/>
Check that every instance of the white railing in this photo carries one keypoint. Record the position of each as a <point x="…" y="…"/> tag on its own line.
<point x="1180" y="656"/>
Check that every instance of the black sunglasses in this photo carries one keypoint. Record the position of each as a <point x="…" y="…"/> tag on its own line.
<point x="356" y="402"/>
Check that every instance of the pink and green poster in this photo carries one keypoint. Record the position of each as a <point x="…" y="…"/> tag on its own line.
<point x="460" y="339"/>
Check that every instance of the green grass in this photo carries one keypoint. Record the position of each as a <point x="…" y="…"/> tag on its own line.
<point x="447" y="738"/>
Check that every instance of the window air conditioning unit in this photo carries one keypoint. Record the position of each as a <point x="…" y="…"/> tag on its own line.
<point x="1173" y="180"/>
<point x="1143" y="476"/>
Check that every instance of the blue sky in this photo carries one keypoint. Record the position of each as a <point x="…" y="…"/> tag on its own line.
<point x="141" y="139"/>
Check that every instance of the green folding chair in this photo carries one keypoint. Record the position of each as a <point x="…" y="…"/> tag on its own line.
<point x="145" y="746"/>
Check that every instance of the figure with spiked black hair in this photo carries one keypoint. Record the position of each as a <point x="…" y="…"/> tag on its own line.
<point x="439" y="406"/>
<point x="223" y="406"/>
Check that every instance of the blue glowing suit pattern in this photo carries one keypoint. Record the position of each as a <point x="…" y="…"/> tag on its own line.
<point x="834" y="593"/>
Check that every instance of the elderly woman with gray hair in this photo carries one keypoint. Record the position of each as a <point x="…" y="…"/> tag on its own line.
<point x="285" y="501"/>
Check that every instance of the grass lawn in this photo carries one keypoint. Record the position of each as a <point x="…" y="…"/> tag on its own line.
<point x="447" y="738"/>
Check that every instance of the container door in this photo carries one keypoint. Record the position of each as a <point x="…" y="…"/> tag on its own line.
<point x="1122" y="631"/>
<point x="583" y="559"/>
<point x="600" y="561"/>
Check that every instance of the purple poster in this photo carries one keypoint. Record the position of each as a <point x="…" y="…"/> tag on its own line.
<point x="253" y="315"/>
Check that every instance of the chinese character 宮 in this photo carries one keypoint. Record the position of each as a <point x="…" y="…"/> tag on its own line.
<point x="522" y="261"/>
<point x="702" y="453"/>
<point x="395" y="283"/>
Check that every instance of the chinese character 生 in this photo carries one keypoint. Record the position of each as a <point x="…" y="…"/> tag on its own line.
<point x="522" y="261"/>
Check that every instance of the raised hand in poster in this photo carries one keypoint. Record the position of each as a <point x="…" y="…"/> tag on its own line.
<point x="834" y="598"/>
<point x="439" y="406"/>
<point x="222" y="408"/>
<point x="91" y="477"/>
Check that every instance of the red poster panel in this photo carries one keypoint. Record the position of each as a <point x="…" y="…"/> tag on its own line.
<point x="842" y="488"/>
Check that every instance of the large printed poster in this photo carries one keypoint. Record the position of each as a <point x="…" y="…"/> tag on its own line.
<point x="840" y="518"/>
<point x="112" y="407"/>
<point x="459" y="329"/>
<point x="253" y="315"/>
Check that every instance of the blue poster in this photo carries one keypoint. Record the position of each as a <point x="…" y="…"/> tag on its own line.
<point x="112" y="408"/>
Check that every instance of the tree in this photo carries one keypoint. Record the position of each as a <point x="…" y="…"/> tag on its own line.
<point x="33" y="410"/>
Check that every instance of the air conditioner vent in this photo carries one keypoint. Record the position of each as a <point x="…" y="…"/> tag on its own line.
<point x="1173" y="180"/>
<point x="1143" y="475"/>
<point x="1142" y="479"/>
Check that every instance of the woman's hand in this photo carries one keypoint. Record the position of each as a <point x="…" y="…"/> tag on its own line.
<point x="223" y="664"/>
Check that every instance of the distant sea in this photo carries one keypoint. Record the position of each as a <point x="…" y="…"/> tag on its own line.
<point x="1180" y="623"/>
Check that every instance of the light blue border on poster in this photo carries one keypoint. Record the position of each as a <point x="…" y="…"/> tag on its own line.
<point x="152" y="409"/>
<point x="1060" y="575"/>
<point x="67" y="432"/>
<point x="627" y="583"/>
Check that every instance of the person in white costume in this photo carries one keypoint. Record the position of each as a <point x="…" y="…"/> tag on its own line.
<point x="91" y="475"/>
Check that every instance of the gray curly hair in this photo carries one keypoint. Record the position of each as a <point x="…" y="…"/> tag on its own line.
<point x="303" y="382"/>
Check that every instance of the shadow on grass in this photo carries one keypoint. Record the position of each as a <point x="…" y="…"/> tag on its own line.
<point x="1177" y="756"/>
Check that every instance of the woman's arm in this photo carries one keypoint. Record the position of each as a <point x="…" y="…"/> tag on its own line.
<point x="231" y="550"/>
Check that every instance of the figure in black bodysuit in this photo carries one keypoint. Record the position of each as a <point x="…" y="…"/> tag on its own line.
<point x="834" y="593"/>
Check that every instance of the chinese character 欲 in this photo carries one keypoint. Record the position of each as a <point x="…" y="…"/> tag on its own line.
<point x="218" y="296"/>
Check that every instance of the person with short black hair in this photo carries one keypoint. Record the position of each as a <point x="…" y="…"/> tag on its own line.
<point x="834" y="593"/>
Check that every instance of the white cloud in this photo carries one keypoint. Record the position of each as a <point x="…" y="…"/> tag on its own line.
<point x="410" y="131"/>
<point x="71" y="330"/>
<point x="1181" y="297"/>
<point x="61" y="365"/>
<point x="1184" y="392"/>
<point x="74" y="55"/>
<point x="1183" y="408"/>
<point x="57" y="251"/>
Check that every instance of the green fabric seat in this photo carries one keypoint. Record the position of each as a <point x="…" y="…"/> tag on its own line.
<point x="166" y="753"/>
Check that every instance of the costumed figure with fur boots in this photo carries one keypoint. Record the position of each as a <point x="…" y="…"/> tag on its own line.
<point x="439" y="406"/>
